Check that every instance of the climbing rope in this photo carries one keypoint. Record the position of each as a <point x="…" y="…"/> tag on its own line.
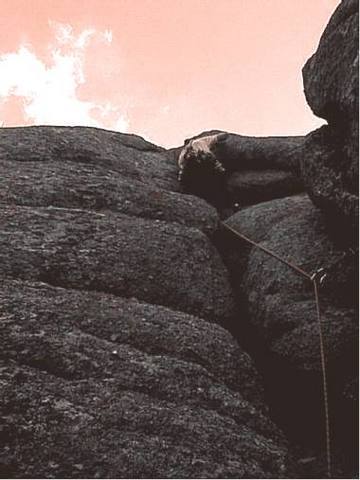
<point x="324" y="376"/>
<point x="314" y="279"/>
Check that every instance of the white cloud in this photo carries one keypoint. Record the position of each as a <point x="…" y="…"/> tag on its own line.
<point x="108" y="35"/>
<point x="62" y="32"/>
<point x="50" y="92"/>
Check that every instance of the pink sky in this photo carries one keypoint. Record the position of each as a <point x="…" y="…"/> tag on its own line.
<point x="164" y="69"/>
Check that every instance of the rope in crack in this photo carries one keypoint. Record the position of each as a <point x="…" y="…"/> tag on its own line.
<point x="316" y="279"/>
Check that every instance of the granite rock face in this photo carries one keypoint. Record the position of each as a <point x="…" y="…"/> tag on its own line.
<point x="93" y="169"/>
<point x="330" y="165"/>
<point x="249" y="187"/>
<point x="128" y="155"/>
<point x="240" y="152"/>
<point x="80" y="212"/>
<point x="331" y="178"/>
<point x="281" y="312"/>
<point x="157" y="262"/>
<point x="282" y="303"/>
<point x="106" y="368"/>
<point x="331" y="74"/>
<point x="256" y="169"/>
<point x="98" y="386"/>
<point x="116" y="286"/>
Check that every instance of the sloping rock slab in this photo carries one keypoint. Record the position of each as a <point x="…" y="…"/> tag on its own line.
<point x="158" y="262"/>
<point x="69" y="184"/>
<point x="129" y="155"/>
<point x="94" y="386"/>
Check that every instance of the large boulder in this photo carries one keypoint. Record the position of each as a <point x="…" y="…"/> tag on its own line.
<point x="129" y="155"/>
<point x="97" y="386"/>
<point x="158" y="262"/>
<point x="330" y="165"/>
<point x="89" y="202"/>
<point x="98" y="378"/>
<point x="331" y="179"/>
<point x="331" y="74"/>
<point x="282" y="319"/>
<point x="241" y="152"/>
<point x="256" y="169"/>
<point x="249" y="187"/>
<point x="40" y="166"/>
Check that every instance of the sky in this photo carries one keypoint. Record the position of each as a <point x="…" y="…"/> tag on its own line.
<point x="163" y="69"/>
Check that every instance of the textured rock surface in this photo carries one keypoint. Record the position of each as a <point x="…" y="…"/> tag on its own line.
<point x="330" y="165"/>
<point x="107" y="369"/>
<point x="240" y="152"/>
<point x="257" y="169"/>
<point x="331" y="74"/>
<point x="249" y="186"/>
<point x="128" y="155"/>
<point x="91" y="185"/>
<point x="157" y="262"/>
<point x="84" y="177"/>
<point x="281" y="302"/>
<point x="97" y="386"/>
<point x="331" y="179"/>
<point x="282" y="311"/>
